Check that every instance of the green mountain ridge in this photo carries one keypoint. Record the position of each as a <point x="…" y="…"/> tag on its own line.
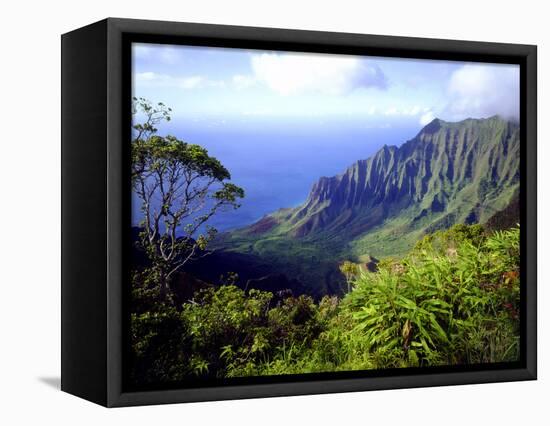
<point x="463" y="172"/>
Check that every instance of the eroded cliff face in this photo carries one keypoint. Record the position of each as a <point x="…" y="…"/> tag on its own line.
<point x="459" y="169"/>
<point x="449" y="173"/>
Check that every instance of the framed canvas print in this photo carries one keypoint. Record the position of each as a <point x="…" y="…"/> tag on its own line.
<point x="253" y="212"/>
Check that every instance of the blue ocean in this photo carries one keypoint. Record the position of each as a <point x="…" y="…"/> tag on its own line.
<point x="277" y="164"/>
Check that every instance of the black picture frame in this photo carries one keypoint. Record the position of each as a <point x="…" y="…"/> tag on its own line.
<point x="95" y="206"/>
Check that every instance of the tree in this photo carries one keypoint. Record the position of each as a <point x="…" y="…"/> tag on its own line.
<point x="181" y="188"/>
<point x="350" y="270"/>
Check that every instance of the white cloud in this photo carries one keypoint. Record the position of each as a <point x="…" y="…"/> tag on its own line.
<point x="293" y="73"/>
<point x="483" y="90"/>
<point x="405" y="111"/>
<point x="259" y="112"/>
<point x="243" y="81"/>
<point x="412" y="111"/>
<point x="141" y="51"/>
<point x="146" y="76"/>
<point x="168" y="55"/>
<point x="193" y="82"/>
<point x="152" y="79"/>
<point x="427" y="118"/>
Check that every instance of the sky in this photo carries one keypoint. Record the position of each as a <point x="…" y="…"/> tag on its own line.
<point x="278" y="121"/>
<point x="255" y="86"/>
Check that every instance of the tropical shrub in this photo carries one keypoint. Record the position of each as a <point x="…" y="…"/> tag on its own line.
<point x="435" y="307"/>
<point x="456" y="308"/>
<point x="455" y="299"/>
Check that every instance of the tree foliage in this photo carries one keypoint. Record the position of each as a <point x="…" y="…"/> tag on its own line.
<point x="180" y="188"/>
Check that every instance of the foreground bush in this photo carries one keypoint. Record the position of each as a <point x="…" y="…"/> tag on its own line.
<point x="453" y="300"/>
<point x="460" y="307"/>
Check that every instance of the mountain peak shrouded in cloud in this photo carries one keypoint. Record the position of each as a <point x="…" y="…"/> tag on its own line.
<point x="480" y="90"/>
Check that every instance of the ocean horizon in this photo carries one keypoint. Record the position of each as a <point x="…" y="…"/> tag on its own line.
<point x="277" y="163"/>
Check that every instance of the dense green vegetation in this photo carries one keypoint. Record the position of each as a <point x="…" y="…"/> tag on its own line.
<point x="453" y="299"/>
<point x="440" y="295"/>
